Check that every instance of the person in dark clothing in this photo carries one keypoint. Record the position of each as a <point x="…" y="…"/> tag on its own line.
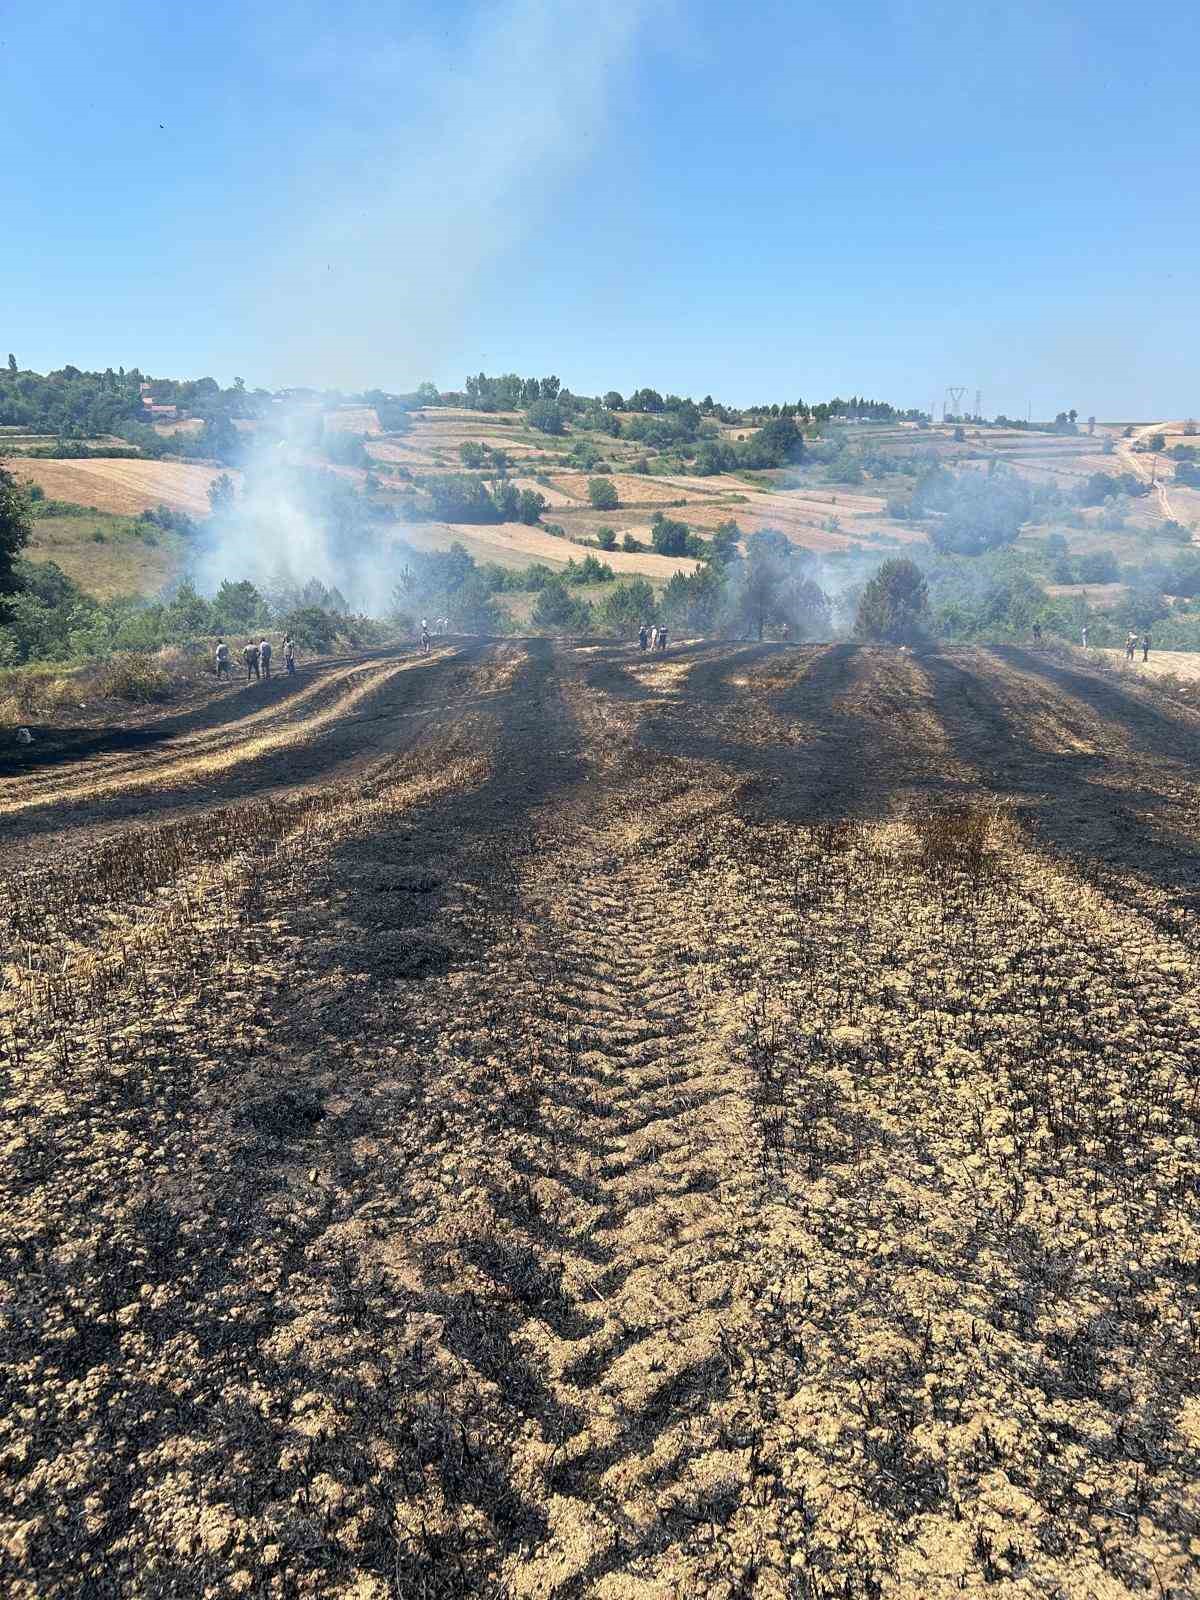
<point x="643" y="636"/>
<point x="1146" y="647"/>
<point x="250" y="657"/>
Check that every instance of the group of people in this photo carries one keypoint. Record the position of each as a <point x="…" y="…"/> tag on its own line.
<point x="256" y="658"/>
<point x="652" y="638"/>
<point x="1131" y="641"/>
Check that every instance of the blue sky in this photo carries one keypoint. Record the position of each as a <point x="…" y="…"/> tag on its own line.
<point x="759" y="202"/>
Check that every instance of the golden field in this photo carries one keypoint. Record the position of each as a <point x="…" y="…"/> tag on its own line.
<point x="122" y="486"/>
<point x="538" y="1120"/>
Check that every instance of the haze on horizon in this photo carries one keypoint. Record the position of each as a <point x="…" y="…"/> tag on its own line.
<point x="759" y="205"/>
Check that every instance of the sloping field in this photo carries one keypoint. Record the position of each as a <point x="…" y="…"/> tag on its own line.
<point x="535" y="1121"/>
<point x="125" y="486"/>
<point x="352" y="419"/>
<point x="806" y="519"/>
<point x="126" y="559"/>
<point x="1181" y="664"/>
<point x="631" y="488"/>
<point x="555" y="497"/>
<point x="515" y="541"/>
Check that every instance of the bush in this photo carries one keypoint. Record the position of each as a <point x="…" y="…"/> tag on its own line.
<point x="585" y="454"/>
<point x="602" y="492"/>
<point x="133" y="676"/>
<point x="312" y="628"/>
<point x="589" y="570"/>
<point x="630" y="544"/>
<point x="606" y="539"/>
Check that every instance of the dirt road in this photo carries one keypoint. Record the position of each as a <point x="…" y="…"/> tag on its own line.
<point x="546" y="1121"/>
<point x="1148" y="468"/>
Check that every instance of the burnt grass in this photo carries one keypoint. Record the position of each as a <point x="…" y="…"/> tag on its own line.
<point x="609" y="1152"/>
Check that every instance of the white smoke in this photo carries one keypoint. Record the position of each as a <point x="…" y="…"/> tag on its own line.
<point x="368" y="287"/>
<point x="385" y="253"/>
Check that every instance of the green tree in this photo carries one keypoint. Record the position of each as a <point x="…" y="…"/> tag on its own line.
<point x="546" y="416"/>
<point x="589" y="570"/>
<point x="776" y="443"/>
<point x="669" y="536"/>
<point x="556" y="608"/>
<point x="237" y="606"/>
<point x="531" y="506"/>
<point x="474" y="607"/>
<point x="189" y="613"/>
<point x="758" y="597"/>
<point x="630" y="543"/>
<point x="12" y="362"/>
<point x="220" y="440"/>
<point x="602" y="492"/>
<point x="16" y="525"/>
<point x="606" y="538"/>
<point x="612" y="400"/>
<point x="311" y="627"/>
<point x="629" y="605"/>
<point x="693" y="602"/>
<point x="894" y="606"/>
<point x="221" y="495"/>
<point x="723" y="546"/>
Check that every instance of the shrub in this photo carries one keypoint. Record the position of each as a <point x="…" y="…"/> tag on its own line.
<point x="133" y="676"/>
<point x="311" y="627"/>
<point x="589" y="570"/>
<point x="630" y="543"/>
<point x="606" y="539"/>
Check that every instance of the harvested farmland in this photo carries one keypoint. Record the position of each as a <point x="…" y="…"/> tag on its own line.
<point x="123" y="486"/>
<point x="509" y="541"/>
<point x="540" y="1120"/>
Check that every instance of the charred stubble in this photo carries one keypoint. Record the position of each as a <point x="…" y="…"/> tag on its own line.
<point x="609" y="1150"/>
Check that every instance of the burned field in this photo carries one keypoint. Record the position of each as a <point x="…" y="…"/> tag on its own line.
<point x="539" y="1121"/>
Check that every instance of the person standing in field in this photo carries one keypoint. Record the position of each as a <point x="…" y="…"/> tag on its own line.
<point x="1037" y="633"/>
<point x="1146" y="645"/>
<point x="643" y="637"/>
<point x="1083" y="635"/>
<point x="662" y="640"/>
<point x="1130" y="644"/>
<point x="250" y="657"/>
<point x="264" y="658"/>
<point x="222" y="659"/>
<point x="289" y="655"/>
